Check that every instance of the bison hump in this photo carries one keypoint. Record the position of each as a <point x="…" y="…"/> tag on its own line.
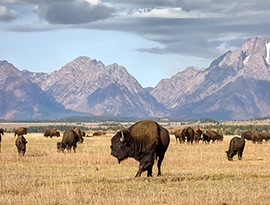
<point x="146" y="131"/>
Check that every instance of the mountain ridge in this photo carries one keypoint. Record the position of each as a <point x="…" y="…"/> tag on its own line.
<point x="235" y="86"/>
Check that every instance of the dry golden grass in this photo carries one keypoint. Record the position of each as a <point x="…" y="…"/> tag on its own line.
<point x="192" y="174"/>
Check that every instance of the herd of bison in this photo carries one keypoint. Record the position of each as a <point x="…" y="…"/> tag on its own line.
<point x="145" y="141"/>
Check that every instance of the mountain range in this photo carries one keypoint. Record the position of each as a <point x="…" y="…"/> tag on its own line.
<point x="235" y="86"/>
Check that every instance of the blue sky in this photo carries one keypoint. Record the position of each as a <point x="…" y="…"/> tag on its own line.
<point x="152" y="39"/>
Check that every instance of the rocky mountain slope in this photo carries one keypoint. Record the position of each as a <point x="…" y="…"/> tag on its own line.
<point x="85" y="85"/>
<point x="234" y="86"/>
<point x="20" y="99"/>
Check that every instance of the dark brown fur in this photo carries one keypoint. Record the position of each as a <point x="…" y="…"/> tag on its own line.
<point x="210" y="135"/>
<point x="69" y="140"/>
<point x="21" y="145"/>
<point x="237" y="145"/>
<point x="51" y="132"/>
<point x="178" y="135"/>
<point x="20" y="131"/>
<point x="188" y="133"/>
<point x="144" y="141"/>
<point x="251" y="135"/>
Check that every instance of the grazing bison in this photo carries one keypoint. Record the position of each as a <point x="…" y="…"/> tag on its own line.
<point x="237" y="145"/>
<point x="219" y="137"/>
<point x="144" y="141"/>
<point x="179" y="136"/>
<point x="210" y="135"/>
<point x="264" y="136"/>
<point x="21" y="145"/>
<point x="79" y="133"/>
<point x="70" y="139"/>
<point x="251" y="135"/>
<point x="188" y="133"/>
<point x="51" y="132"/>
<point x="20" y="131"/>
<point x="1" y="133"/>
<point x="198" y="134"/>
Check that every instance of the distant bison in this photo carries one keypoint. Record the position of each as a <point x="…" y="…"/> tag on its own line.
<point x="83" y="133"/>
<point x="69" y="140"/>
<point x="79" y="133"/>
<point x="99" y="133"/>
<point x="198" y="134"/>
<point x="220" y="137"/>
<point x="237" y="145"/>
<point x="51" y="132"/>
<point x="1" y="133"/>
<point x="144" y="141"/>
<point x="20" y="131"/>
<point x="252" y="135"/>
<point x="188" y="133"/>
<point x="264" y="136"/>
<point x="210" y="135"/>
<point x="21" y="145"/>
<point x="179" y="136"/>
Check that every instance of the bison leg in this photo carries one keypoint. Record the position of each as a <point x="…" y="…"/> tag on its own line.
<point x="240" y="152"/>
<point x="146" y="164"/>
<point x="160" y="159"/>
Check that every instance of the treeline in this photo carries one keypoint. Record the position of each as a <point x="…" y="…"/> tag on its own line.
<point x="236" y="129"/>
<point x="40" y="129"/>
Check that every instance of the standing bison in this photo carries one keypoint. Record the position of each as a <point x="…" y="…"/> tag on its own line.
<point x="70" y="139"/>
<point x="1" y="133"/>
<point x="252" y="135"/>
<point x="79" y="133"/>
<point x="21" y="145"/>
<point x="237" y="145"/>
<point x="198" y="134"/>
<point x="264" y="136"/>
<point x="188" y="133"/>
<point x="144" y="141"/>
<point x="20" y="131"/>
<point x="211" y="135"/>
<point x="51" y="132"/>
<point x="179" y="136"/>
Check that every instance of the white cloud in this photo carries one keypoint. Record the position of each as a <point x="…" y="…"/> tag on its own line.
<point x="7" y="15"/>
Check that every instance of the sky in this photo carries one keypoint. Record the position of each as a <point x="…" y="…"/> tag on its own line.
<point x="152" y="39"/>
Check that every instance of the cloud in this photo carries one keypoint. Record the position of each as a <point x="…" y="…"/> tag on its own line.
<point x="7" y="15"/>
<point x="204" y="28"/>
<point x="73" y="12"/>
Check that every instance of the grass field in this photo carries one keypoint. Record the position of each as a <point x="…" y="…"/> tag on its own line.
<point x="191" y="174"/>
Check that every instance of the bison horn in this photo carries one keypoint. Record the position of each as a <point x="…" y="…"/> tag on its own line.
<point x="122" y="139"/>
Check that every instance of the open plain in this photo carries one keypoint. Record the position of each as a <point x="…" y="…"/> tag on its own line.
<point x="191" y="174"/>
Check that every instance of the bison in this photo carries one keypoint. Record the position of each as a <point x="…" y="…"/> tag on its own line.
<point x="70" y="139"/>
<point x="251" y="135"/>
<point x="20" y="131"/>
<point x="21" y="145"/>
<point x="210" y="135"/>
<point x="99" y="133"/>
<point x="51" y="132"/>
<point x="79" y="133"/>
<point x="1" y="133"/>
<point x="264" y="136"/>
<point x="198" y="134"/>
<point x="188" y="133"/>
<point x="144" y="141"/>
<point x="179" y="136"/>
<point x="237" y="145"/>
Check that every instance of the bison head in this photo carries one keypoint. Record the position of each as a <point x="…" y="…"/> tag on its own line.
<point x="60" y="147"/>
<point x="120" y="147"/>
<point x="21" y="144"/>
<point x="230" y="155"/>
